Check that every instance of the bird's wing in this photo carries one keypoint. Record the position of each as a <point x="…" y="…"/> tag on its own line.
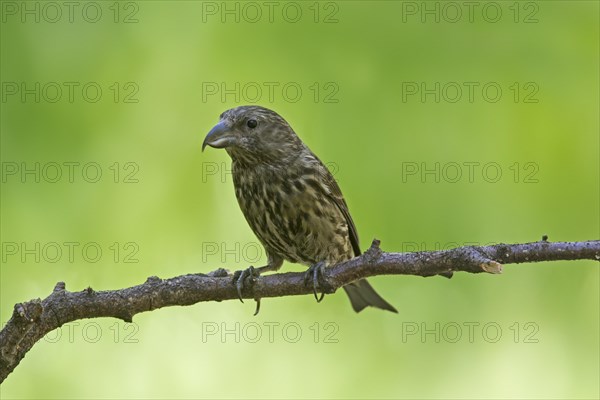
<point x="335" y="194"/>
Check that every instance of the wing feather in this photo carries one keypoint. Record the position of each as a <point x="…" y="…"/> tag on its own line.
<point x="335" y="194"/>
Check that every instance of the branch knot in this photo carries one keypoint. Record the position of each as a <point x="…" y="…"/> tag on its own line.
<point x="374" y="252"/>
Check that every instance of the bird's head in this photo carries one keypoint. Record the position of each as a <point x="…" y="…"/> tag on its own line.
<point x="254" y="134"/>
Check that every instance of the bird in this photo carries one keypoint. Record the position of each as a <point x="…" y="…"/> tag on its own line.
<point x="290" y="199"/>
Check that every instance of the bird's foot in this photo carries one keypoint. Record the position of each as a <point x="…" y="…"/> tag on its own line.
<point x="315" y="274"/>
<point x="245" y="278"/>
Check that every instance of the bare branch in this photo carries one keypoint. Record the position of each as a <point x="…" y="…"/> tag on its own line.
<point x="34" y="319"/>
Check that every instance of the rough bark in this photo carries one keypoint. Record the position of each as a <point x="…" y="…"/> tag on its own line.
<point x="33" y="319"/>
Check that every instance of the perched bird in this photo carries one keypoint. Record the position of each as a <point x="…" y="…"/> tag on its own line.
<point x="289" y="198"/>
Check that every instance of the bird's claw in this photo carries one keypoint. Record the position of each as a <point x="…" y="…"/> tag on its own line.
<point x="257" y="307"/>
<point x="315" y="273"/>
<point x="240" y="277"/>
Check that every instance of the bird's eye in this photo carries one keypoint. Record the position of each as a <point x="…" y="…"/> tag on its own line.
<point x="252" y="123"/>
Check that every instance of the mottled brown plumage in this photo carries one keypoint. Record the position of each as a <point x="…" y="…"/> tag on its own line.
<point x="289" y="198"/>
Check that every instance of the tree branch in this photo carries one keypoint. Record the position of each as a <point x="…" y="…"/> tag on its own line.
<point x="34" y="319"/>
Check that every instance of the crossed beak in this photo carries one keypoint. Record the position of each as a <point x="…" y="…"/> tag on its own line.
<point x="220" y="136"/>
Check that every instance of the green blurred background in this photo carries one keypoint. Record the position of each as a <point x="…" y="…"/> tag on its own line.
<point x="161" y="66"/>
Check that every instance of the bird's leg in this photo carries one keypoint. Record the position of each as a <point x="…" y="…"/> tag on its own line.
<point x="251" y="274"/>
<point x="315" y="273"/>
<point x="239" y="278"/>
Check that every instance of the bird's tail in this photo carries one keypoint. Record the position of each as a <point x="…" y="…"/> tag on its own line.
<point x="362" y="294"/>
